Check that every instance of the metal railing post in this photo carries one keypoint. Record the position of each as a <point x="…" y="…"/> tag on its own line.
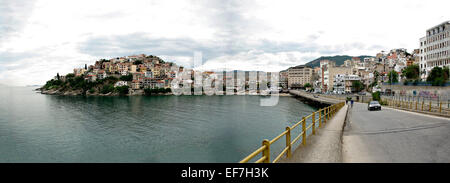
<point x="422" y="104"/>
<point x="328" y="113"/>
<point x="440" y="107"/>
<point x="430" y="107"/>
<point x="313" y="123"/>
<point x="266" y="151"/>
<point x="304" y="131"/>
<point x="320" y="118"/>
<point x="416" y="105"/>
<point x="331" y="111"/>
<point x="288" y="142"/>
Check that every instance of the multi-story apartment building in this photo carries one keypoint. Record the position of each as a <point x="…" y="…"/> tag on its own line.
<point x="435" y="49"/>
<point x="299" y="75"/>
<point x="283" y="81"/>
<point x="324" y="73"/>
<point x="329" y="70"/>
<point x="343" y="83"/>
<point x="333" y="71"/>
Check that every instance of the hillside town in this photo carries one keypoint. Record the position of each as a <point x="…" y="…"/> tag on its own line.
<point x="146" y="71"/>
<point x="147" y="75"/>
<point x="395" y="66"/>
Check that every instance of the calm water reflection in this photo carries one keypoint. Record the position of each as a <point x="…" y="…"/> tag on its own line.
<point x="43" y="128"/>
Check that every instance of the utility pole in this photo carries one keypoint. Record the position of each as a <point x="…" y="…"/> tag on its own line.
<point x="390" y="77"/>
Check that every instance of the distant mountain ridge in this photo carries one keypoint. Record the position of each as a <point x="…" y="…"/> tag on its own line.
<point x="339" y="59"/>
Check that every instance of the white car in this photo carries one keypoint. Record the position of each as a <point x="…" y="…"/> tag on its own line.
<point x="374" y="105"/>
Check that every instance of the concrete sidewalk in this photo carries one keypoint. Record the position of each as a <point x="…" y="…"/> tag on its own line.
<point x="325" y="146"/>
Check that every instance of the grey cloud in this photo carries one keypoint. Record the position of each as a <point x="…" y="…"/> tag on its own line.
<point x="112" y="46"/>
<point x="8" y="57"/>
<point x="140" y="43"/>
<point x="231" y="37"/>
<point x="376" y="47"/>
<point x="122" y="45"/>
<point x="13" y="14"/>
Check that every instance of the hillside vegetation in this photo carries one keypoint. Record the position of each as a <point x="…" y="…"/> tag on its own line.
<point x="77" y="85"/>
<point x="339" y="59"/>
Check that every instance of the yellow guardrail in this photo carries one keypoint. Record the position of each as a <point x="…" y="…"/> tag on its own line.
<point x="418" y="106"/>
<point x="323" y="116"/>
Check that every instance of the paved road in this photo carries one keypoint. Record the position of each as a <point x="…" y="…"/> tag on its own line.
<point x="392" y="135"/>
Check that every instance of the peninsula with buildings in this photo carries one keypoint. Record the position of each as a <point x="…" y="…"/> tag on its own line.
<point x="150" y="75"/>
<point x="132" y="75"/>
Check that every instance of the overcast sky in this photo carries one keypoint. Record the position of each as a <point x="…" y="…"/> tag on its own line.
<point x="39" y="38"/>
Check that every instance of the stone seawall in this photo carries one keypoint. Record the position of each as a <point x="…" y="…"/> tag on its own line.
<point x="420" y="91"/>
<point x="314" y="100"/>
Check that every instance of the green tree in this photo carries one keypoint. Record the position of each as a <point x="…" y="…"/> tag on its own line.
<point x="438" y="76"/>
<point x="128" y="77"/>
<point x="411" y="72"/>
<point x="151" y="91"/>
<point x="107" y="89"/>
<point x="376" y="96"/>
<point x="52" y="84"/>
<point x="393" y="77"/>
<point x="122" y="90"/>
<point x="307" y="85"/>
<point x="357" y="86"/>
<point x="70" y="76"/>
<point x="376" y="74"/>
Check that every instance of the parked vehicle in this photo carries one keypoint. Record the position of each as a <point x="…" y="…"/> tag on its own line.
<point x="373" y="105"/>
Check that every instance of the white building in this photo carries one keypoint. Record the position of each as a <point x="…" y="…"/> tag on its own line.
<point x="149" y="74"/>
<point x="123" y="72"/>
<point x="435" y="49"/>
<point x="324" y="73"/>
<point x="343" y="83"/>
<point x="121" y="83"/>
<point x="102" y="74"/>
<point x="339" y="84"/>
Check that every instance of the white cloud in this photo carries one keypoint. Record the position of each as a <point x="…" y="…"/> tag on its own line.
<point x="42" y="37"/>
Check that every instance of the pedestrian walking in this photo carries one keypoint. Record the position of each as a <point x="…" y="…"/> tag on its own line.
<point x="351" y="102"/>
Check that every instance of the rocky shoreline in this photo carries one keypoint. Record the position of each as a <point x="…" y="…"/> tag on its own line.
<point x="80" y="93"/>
<point x="132" y="93"/>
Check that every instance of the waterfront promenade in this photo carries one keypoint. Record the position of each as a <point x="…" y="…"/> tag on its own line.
<point x="326" y="145"/>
